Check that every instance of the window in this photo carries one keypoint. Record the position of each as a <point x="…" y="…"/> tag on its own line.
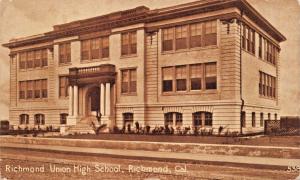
<point x="196" y="72"/>
<point x="44" y="88"/>
<point x="180" y="75"/>
<point x="168" y="36"/>
<point x="39" y="119"/>
<point x="196" y="34"/>
<point x="22" y="90"/>
<point x="29" y="92"/>
<point x="22" y="61"/>
<point x="44" y="58"/>
<point x="261" y="119"/>
<point x="202" y="119"/>
<point x="128" y="118"/>
<point x="167" y="74"/>
<point x="33" y="89"/>
<point x="197" y="119"/>
<point x="37" y="88"/>
<point x="275" y="116"/>
<point x="128" y="84"/>
<point x="95" y="48"/>
<point x="181" y="78"/>
<point x="30" y="59"/>
<point x="63" y="86"/>
<point x="260" y="47"/>
<point x="244" y="37"/>
<point x="210" y="76"/>
<point x="38" y="58"/>
<point x="181" y="33"/>
<point x="24" y="119"/>
<point x="269" y="116"/>
<point x="65" y="53"/>
<point x="210" y="37"/>
<point x="63" y="118"/>
<point x="173" y="117"/>
<point x="267" y="85"/>
<point x="253" y="119"/>
<point x="243" y="119"/>
<point x="189" y="36"/>
<point x="129" y="43"/>
<point x="85" y="50"/>
<point x="270" y="51"/>
<point x="33" y="59"/>
<point x="105" y="47"/>
<point x="248" y="39"/>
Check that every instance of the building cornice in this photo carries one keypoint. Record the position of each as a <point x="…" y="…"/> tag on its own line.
<point x="142" y="14"/>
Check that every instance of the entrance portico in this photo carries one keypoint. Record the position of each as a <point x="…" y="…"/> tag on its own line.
<point x="87" y="86"/>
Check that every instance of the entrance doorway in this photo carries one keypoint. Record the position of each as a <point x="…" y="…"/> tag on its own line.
<point x="93" y="101"/>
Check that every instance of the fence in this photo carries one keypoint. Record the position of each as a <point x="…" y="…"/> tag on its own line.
<point x="286" y="126"/>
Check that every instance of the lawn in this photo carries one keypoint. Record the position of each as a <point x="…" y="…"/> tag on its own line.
<point x="289" y="141"/>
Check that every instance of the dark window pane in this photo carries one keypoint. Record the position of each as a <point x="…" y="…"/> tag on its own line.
<point x="181" y="84"/>
<point x="195" y="41"/>
<point x="167" y="86"/>
<point x="210" y="39"/>
<point x="195" y="83"/>
<point x="181" y="43"/>
<point x="211" y="82"/>
<point x="168" y="45"/>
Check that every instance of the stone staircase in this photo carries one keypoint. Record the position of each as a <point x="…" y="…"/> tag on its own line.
<point x="84" y="126"/>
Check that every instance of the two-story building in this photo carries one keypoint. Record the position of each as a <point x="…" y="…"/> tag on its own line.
<point x="202" y="64"/>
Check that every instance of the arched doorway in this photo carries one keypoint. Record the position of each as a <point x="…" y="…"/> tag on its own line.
<point x="93" y="101"/>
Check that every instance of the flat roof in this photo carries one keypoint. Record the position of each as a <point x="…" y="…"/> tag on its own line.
<point x="143" y="14"/>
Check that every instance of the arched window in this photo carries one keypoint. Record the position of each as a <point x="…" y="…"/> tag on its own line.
<point x="24" y="119"/>
<point x="39" y="119"/>
<point x="173" y="117"/>
<point x="128" y="118"/>
<point x="63" y="118"/>
<point x="202" y="119"/>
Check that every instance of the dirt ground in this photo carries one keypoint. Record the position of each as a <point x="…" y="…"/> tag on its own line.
<point x="286" y="141"/>
<point x="28" y="158"/>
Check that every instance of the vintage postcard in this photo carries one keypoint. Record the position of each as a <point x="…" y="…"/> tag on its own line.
<point x="150" y="89"/>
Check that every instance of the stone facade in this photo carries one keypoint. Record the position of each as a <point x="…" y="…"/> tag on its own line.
<point x="235" y="98"/>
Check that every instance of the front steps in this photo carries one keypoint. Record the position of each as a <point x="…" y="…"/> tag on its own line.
<point x="84" y="126"/>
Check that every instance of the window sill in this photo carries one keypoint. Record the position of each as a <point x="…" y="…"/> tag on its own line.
<point x="128" y="56"/>
<point x="33" y="69"/>
<point x="64" y="64"/>
<point x="193" y="92"/>
<point x="93" y="60"/>
<point x="129" y="94"/>
<point x="275" y="65"/>
<point x="189" y="49"/>
<point x="251" y="53"/>
<point x="269" y="98"/>
<point x="63" y="97"/>
<point x="34" y="100"/>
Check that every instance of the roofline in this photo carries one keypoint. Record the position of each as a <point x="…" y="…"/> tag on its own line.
<point x="143" y="14"/>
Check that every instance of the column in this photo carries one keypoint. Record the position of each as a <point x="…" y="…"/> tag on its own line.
<point x="102" y="98"/>
<point x="107" y="99"/>
<point x="70" y="101"/>
<point x="75" y="113"/>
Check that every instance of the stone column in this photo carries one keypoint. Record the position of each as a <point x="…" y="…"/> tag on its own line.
<point x="102" y="98"/>
<point x="70" y="101"/>
<point x="107" y="99"/>
<point x="75" y="113"/>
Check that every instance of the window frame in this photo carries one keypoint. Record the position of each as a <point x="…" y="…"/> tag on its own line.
<point x="130" y="83"/>
<point x="204" y="38"/>
<point x="131" y="45"/>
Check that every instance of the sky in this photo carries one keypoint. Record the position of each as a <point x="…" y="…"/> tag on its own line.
<point x="19" y="18"/>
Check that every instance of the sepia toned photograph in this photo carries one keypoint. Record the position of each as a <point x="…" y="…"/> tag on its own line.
<point x="150" y="89"/>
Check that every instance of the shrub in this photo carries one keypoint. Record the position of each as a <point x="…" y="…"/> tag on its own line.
<point x="148" y="129"/>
